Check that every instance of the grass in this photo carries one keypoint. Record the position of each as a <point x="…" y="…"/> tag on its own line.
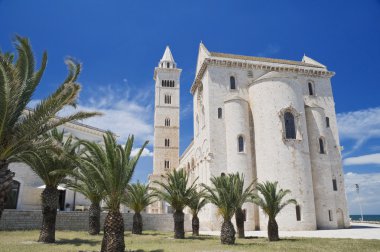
<point x="25" y="241"/>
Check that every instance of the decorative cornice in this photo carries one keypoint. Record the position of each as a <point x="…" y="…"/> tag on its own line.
<point x="156" y="69"/>
<point x="166" y="127"/>
<point x="167" y="106"/>
<point x="267" y="66"/>
<point x="171" y="148"/>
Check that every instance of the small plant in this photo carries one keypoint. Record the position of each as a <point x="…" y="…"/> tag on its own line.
<point x="272" y="203"/>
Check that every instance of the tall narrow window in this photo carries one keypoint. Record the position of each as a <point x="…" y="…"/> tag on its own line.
<point x="335" y="187"/>
<point x="290" y="127"/>
<point x="311" y="88"/>
<point x="330" y="216"/>
<point x="167" y="122"/>
<point x="167" y="142"/>
<point x="240" y="144"/>
<point x="321" y="146"/>
<point x="220" y="113"/>
<point x="327" y="122"/>
<point x="168" y="65"/>
<point x="232" y="82"/>
<point x="167" y="164"/>
<point x="298" y="212"/>
<point x="168" y="99"/>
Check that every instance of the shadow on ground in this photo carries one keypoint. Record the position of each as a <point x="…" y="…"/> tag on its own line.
<point x="361" y="227"/>
<point x="78" y="242"/>
<point x="141" y="250"/>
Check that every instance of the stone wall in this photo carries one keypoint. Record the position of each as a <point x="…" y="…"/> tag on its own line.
<point x="78" y="221"/>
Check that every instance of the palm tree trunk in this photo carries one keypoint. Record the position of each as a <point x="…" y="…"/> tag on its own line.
<point x="179" y="227"/>
<point x="227" y="233"/>
<point x="6" y="177"/>
<point x="195" y="225"/>
<point x="239" y="218"/>
<point x="94" y="219"/>
<point x="273" y="230"/>
<point x="49" y="198"/>
<point x="113" y="239"/>
<point x="137" y="226"/>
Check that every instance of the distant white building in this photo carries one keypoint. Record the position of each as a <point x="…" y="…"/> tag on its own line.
<point x="269" y="119"/>
<point x="27" y="186"/>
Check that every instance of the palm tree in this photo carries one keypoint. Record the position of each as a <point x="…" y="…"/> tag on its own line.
<point x="82" y="181"/>
<point x="43" y="163"/>
<point x="113" y="167"/>
<point x="223" y="195"/>
<point x="196" y="203"/>
<point x="176" y="191"/>
<point x="272" y="203"/>
<point x="20" y="128"/>
<point x="242" y="196"/>
<point x="138" y="197"/>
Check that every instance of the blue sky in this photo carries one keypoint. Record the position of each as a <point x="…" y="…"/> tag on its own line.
<point x="120" y="43"/>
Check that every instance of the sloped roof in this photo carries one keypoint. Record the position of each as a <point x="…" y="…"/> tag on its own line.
<point x="262" y="59"/>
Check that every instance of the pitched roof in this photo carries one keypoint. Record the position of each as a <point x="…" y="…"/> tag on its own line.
<point x="269" y="60"/>
<point x="168" y="57"/>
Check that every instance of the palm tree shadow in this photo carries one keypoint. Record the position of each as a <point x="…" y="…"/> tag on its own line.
<point x="200" y="238"/>
<point x="78" y="242"/>
<point x="141" y="250"/>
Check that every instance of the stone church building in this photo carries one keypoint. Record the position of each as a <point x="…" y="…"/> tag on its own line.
<point x="270" y="119"/>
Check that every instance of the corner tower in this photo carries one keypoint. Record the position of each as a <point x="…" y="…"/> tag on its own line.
<point x="166" y="121"/>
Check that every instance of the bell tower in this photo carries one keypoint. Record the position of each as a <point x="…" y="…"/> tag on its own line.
<point x="166" y="121"/>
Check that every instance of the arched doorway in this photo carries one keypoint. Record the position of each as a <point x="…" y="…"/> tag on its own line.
<point x="12" y="196"/>
<point x="340" y="218"/>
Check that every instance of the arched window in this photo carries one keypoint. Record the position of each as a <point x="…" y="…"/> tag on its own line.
<point x="290" y="127"/>
<point x="311" y="88"/>
<point x="12" y="196"/>
<point x="220" y="113"/>
<point x="322" y="146"/>
<point x="168" y="65"/>
<point x="167" y="142"/>
<point x="327" y="122"/>
<point x="168" y="99"/>
<point x="167" y="164"/>
<point x="240" y="144"/>
<point x="167" y="122"/>
<point x="232" y="82"/>
<point x="298" y="212"/>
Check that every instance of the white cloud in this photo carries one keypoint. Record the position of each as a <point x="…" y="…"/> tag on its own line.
<point x="146" y="152"/>
<point x="359" y="126"/>
<point x="363" y="160"/>
<point x="369" y="184"/>
<point x="123" y="113"/>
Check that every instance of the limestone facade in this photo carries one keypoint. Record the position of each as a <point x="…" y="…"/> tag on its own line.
<point x="166" y="123"/>
<point x="270" y="120"/>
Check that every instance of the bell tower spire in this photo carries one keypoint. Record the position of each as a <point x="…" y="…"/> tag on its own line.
<point x="167" y="60"/>
<point x="166" y="122"/>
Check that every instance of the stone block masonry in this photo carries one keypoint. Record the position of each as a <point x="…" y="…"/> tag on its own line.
<point x="78" y="221"/>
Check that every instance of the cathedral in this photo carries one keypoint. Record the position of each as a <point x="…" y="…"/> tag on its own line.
<point x="270" y="119"/>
